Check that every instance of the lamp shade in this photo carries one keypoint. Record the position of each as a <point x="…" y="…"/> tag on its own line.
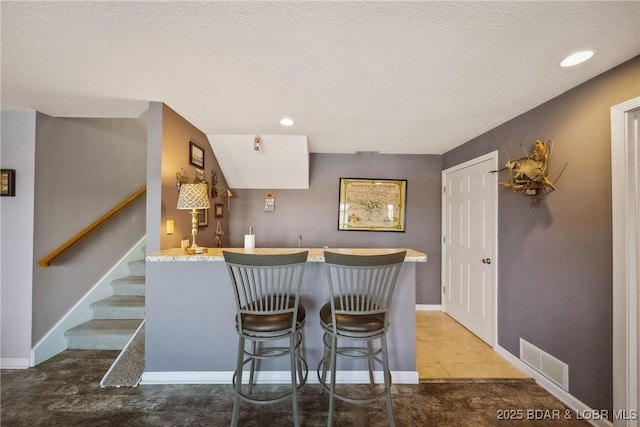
<point x="193" y="196"/>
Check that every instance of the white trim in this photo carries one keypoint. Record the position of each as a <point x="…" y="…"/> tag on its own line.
<point x="574" y="404"/>
<point x="493" y="156"/>
<point x="626" y="248"/>
<point x="269" y="377"/>
<point x="474" y="161"/>
<point x="55" y="341"/>
<point x="15" y="363"/>
<point x="428" y="307"/>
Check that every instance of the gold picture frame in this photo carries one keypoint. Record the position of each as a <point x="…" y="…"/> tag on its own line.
<point x="8" y="182"/>
<point x="372" y="204"/>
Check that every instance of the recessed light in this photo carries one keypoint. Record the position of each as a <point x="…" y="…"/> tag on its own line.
<point x="286" y="122"/>
<point x="577" y="58"/>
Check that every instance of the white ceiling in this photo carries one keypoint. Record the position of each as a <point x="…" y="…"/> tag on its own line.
<point x="394" y="77"/>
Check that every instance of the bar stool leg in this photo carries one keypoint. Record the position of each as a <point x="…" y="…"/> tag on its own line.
<point x="238" y="384"/>
<point x="300" y="360"/>
<point x="324" y="361"/>
<point x="294" y="383"/>
<point x="299" y="365"/>
<point x="387" y="379"/>
<point x="332" y="386"/>
<point x="253" y="365"/>
<point x="370" y="361"/>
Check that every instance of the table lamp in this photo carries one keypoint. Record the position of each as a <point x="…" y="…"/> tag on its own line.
<point x="194" y="197"/>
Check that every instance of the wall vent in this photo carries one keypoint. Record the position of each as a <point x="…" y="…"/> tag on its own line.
<point x="552" y="368"/>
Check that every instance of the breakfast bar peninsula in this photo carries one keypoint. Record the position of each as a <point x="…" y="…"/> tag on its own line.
<point x="190" y="334"/>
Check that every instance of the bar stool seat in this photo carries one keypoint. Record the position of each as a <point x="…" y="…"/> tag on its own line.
<point x="271" y="323"/>
<point x="268" y="310"/>
<point x="361" y="288"/>
<point x="349" y="324"/>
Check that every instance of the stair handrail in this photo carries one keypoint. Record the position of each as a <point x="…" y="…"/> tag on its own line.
<point x="48" y="260"/>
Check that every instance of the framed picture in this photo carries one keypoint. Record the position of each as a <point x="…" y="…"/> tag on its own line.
<point x="203" y="217"/>
<point x="218" y="210"/>
<point x="372" y="204"/>
<point x="196" y="155"/>
<point x="7" y="182"/>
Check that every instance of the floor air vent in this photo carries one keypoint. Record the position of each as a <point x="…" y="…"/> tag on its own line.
<point x="552" y="368"/>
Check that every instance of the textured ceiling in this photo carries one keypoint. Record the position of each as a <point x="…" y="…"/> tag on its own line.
<point x="394" y="77"/>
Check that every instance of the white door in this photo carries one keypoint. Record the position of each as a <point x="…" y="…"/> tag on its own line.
<point x="625" y="191"/>
<point x="469" y="225"/>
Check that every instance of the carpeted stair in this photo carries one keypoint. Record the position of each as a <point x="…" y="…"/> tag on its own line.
<point x="115" y="319"/>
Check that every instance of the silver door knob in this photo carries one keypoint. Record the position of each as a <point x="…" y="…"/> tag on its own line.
<point x="486" y="261"/>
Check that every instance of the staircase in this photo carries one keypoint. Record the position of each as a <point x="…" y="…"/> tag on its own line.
<point x="116" y="318"/>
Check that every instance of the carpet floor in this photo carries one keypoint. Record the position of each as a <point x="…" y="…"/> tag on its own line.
<point x="128" y="367"/>
<point x="65" y="391"/>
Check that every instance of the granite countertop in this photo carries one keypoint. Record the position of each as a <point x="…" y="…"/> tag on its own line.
<point x="315" y="254"/>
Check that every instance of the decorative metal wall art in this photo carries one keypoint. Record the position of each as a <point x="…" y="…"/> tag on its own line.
<point x="530" y="174"/>
<point x="219" y="235"/>
<point x="181" y="178"/>
<point x="200" y="177"/>
<point x="214" y="184"/>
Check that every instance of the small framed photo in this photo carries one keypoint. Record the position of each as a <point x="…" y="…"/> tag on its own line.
<point x="7" y="182"/>
<point x="196" y="155"/>
<point x="217" y="210"/>
<point x="203" y="217"/>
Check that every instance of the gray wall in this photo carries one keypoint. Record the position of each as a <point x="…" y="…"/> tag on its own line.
<point x="84" y="167"/>
<point x="555" y="285"/>
<point x="154" y="176"/>
<point x="314" y="212"/>
<point x="17" y="146"/>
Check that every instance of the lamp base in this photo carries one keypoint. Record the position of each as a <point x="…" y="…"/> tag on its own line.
<point x="196" y="251"/>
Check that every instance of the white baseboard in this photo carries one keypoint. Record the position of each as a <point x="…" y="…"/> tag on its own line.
<point x="580" y="410"/>
<point x="15" y="363"/>
<point x="428" y="307"/>
<point x="269" y="377"/>
<point x="55" y="341"/>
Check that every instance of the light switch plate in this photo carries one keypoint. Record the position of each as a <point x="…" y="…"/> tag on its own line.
<point x="170" y="225"/>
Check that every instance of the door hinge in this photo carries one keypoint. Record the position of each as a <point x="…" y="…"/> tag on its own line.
<point x="444" y="239"/>
<point x="444" y="188"/>
<point x="444" y="290"/>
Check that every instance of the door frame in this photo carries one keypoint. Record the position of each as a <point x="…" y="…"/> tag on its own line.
<point x="625" y="207"/>
<point x="493" y="156"/>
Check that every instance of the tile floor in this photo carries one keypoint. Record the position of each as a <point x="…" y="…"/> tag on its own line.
<point x="445" y="349"/>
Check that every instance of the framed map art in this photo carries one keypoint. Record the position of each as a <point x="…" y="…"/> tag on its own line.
<point x="372" y="204"/>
